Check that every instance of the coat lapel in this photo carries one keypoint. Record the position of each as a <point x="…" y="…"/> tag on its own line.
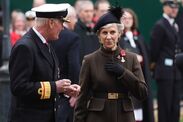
<point x="42" y="47"/>
<point x="56" y="64"/>
<point x="174" y="34"/>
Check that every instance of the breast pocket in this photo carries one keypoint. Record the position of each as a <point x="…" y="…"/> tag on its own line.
<point x="96" y="104"/>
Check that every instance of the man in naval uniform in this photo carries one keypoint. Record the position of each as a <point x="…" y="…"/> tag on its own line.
<point x="34" y="72"/>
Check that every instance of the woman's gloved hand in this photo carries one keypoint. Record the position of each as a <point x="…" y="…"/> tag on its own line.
<point x="114" y="67"/>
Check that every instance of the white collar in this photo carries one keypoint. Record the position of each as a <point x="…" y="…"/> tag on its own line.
<point x="170" y="20"/>
<point x="129" y="35"/>
<point x="39" y="35"/>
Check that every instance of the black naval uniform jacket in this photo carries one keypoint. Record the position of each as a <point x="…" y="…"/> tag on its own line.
<point x="95" y="80"/>
<point x="33" y="71"/>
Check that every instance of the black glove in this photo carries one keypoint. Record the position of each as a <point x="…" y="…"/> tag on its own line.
<point x="114" y="68"/>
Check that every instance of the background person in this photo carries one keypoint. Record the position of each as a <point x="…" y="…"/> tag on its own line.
<point x="18" y="27"/>
<point x="67" y="50"/>
<point x="133" y="41"/>
<point x="30" y="19"/>
<point x="179" y="21"/>
<point x="100" y="8"/>
<point x="72" y="17"/>
<point x="1" y="37"/>
<point x="179" y="61"/>
<point x="165" y="44"/>
<point x="37" y="3"/>
<point x="84" y="28"/>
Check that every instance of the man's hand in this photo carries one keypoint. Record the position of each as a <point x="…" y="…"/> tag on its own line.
<point x="61" y="85"/>
<point x="64" y="86"/>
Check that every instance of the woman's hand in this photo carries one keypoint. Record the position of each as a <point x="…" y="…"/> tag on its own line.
<point x="114" y="67"/>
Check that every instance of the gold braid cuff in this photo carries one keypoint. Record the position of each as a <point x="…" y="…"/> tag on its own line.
<point x="45" y="90"/>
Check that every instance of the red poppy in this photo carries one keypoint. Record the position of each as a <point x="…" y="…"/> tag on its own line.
<point x="135" y="33"/>
<point x="122" y="53"/>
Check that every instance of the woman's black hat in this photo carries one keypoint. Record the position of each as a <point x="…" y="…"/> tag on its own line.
<point x="113" y="15"/>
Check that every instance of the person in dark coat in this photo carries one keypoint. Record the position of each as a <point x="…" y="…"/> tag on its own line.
<point x="34" y="71"/>
<point x="67" y="51"/>
<point x="100" y="7"/>
<point x="84" y="28"/>
<point x="1" y="37"/>
<point x="165" y="44"/>
<point x="179" y="21"/>
<point x="133" y="41"/>
<point x="179" y="61"/>
<point x="109" y="77"/>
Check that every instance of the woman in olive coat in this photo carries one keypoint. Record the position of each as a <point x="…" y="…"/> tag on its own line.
<point x="109" y="77"/>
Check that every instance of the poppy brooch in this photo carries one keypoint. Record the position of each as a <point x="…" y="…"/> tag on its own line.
<point x="121" y="56"/>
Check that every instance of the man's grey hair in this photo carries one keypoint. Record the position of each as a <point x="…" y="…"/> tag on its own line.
<point x="40" y="21"/>
<point x="71" y="11"/>
<point x="82" y="4"/>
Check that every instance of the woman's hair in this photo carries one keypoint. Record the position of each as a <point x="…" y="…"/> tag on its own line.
<point x="120" y="27"/>
<point x="135" y="19"/>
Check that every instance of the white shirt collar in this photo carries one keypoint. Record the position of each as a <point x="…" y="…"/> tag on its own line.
<point x="170" y="20"/>
<point x="129" y="35"/>
<point x="39" y="35"/>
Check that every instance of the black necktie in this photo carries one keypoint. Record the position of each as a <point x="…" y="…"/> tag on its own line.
<point x="175" y="27"/>
<point x="48" y="47"/>
<point x="50" y="52"/>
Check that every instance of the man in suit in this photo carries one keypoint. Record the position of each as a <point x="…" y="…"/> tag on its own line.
<point x="100" y="8"/>
<point x="34" y="72"/>
<point x="67" y="51"/>
<point x="179" y="61"/>
<point x="165" y="44"/>
<point x="179" y="20"/>
<point x="1" y="37"/>
<point x="84" y="28"/>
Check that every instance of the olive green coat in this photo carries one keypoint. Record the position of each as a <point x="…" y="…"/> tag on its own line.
<point x="94" y="79"/>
